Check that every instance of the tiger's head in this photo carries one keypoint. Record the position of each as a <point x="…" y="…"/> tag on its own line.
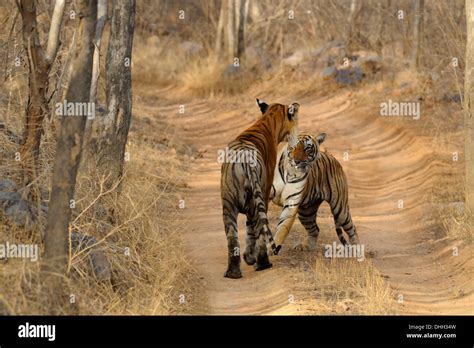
<point x="288" y="115"/>
<point x="305" y="152"/>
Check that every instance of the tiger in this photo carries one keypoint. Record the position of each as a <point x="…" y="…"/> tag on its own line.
<point x="246" y="185"/>
<point x="303" y="179"/>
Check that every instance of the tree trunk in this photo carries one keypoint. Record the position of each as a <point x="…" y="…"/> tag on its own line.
<point x="39" y="65"/>
<point x="37" y="86"/>
<point x="469" y="108"/>
<point x="256" y="12"/>
<point x="230" y="29"/>
<point x="417" y="32"/>
<point x="237" y="12"/>
<point x="111" y="131"/>
<point x="351" y="33"/>
<point x="382" y="17"/>
<point x="101" y="20"/>
<point x="243" y="12"/>
<point x="220" y="28"/>
<point x="54" y="31"/>
<point x="68" y="154"/>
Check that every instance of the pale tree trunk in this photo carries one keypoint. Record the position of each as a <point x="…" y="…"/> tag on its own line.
<point x="383" y="7"/>
<point x="111" y="131"/>
<point x="417" y="32"/>
<point x="66" y="163"/>
<point x="220" y="28"/>
<point x="351" y="33"/>
<point x="230" y="29"/>
<point x="54" y="31"/>
<point x="101" y="20"/>
<point x="469" y="108"/>
<point x="237" y="4"/>
<point x="39" y="65"/>
<point x="243" y="13"/>
<point x="255" y="12"/>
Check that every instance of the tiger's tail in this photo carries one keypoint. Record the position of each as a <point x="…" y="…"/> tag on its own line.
<point x="340" y="235"/>
<point x="262" y="219"/>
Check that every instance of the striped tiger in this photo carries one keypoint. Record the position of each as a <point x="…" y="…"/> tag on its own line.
<point x="246" y="184"/>
<point x="303" y="179"/>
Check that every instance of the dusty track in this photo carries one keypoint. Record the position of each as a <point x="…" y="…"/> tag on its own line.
<point x="386" y="163"/>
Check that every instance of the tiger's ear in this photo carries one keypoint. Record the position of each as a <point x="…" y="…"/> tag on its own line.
<point x="293" y="111"/>
<point x="262" y="105"/>
<point x="320" y="138"/>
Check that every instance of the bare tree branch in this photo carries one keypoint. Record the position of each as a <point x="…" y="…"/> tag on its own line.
<point x="54" y="31"/>
<point x="101" y="19"/>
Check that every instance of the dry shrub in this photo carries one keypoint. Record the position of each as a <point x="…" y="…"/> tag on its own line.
<point x="19" y="278"/>
<point x="338" y="285"/>
<point x="143" y="245"/>
<point x="150" y="280"/>
<point x="163" y="61"/>
<point x="458" y="224"/>
<point x="138" y="229"/>
<point x="207" y="78"/>
<point x="301" y="83"/>
<point x="155" y="62"/>
<point x="447" y="197"/>
<point x="348" y="286"/>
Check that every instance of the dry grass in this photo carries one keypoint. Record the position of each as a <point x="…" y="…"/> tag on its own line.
<point x="150" y="270"/>
<point x="348" y="286"/>
<point x="165" y="53"/>
<point x="336" y="286"/>
<point x="151" y="277"/>
<point x="143" y="247"/>
<point x="197" y="74"/>
<point x="457" y="223"/>
<point x="208" y="78"/>
<point x="141" y="240"/>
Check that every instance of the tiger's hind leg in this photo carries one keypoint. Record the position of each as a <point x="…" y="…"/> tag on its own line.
<point x="343" y="221"/>
<point x="307" y="216"/>
<point x="263" y="262"/>
<point x="260" y="235"/>
<point x="250" y="256"/>
<point x="233" y="246"/>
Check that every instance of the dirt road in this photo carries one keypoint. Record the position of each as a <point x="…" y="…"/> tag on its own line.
<point x="387" y="164"/>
